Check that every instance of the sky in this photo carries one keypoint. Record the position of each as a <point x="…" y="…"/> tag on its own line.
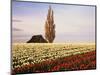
<point x="74" y="23"/>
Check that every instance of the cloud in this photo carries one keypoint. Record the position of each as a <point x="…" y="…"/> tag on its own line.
<point x="16" y="29"/>
<point x="14" y="20"/>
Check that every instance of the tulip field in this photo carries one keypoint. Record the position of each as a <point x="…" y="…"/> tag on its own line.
<point x="52" y="57"/>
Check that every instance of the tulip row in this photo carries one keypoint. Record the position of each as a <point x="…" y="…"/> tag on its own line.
<point x="24" y="54"/>
<point x="83" y="61"/>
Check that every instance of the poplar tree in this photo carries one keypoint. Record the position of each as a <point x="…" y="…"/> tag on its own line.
<point x="50" y="26"/>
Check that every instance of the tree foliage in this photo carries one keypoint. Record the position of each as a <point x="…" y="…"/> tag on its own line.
<point x="50" y="26"/>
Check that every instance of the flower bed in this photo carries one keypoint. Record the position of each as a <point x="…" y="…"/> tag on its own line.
<point x="25" y="54"/>
<point x="84" y="61"/>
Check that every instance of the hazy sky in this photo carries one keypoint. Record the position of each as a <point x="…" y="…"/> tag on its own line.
<point x="74" y="23"/>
